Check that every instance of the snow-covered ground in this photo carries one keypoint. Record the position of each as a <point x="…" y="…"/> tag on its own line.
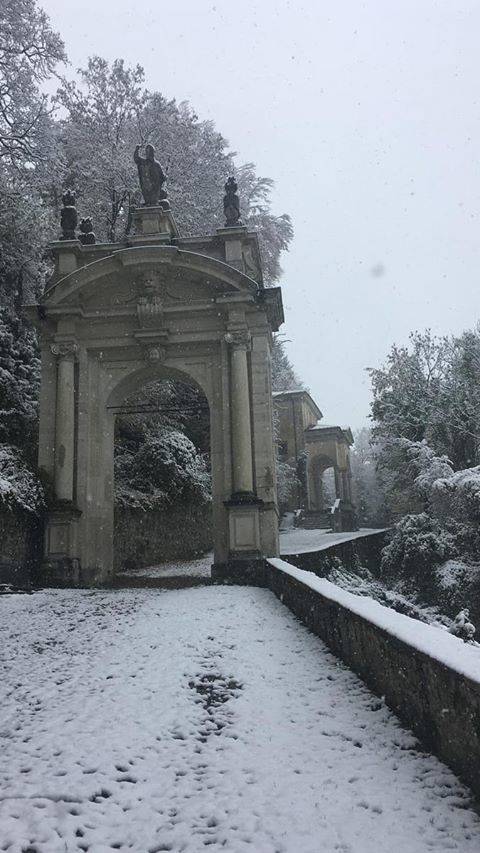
<point x="146" y="720"/>
<point x="199" y="568"/>
<point x="299" y="541"/>
<point x="292" y="541"/>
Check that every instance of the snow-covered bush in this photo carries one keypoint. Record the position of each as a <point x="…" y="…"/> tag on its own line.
<point x="368" y="488"/>
<point x="20" y="488"/>
<point x="457" y="583"/>
<point x="19" y="381"/>
<point x="451" y="574"/>
<point x="426" y="411"/>
<point x="419" y="543"/>
<point x="166" y="469"/>
<point x="287" y="481"/>
<point x="426" y="466"/>
<point x="458" y="496"/>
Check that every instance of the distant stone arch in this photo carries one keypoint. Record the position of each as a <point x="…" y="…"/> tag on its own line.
<point x="329" y="447"/>
<point x="316" y="467"/>
<point x="116" y="317"/>
<point x="312" y="448"/>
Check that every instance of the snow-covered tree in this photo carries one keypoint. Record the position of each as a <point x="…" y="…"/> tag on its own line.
<point x="427" y="392"/>
<point x="288" y="482"/>
<point x="19" y="382"/>
<point x="368" y="489"/>
<point x="438" y="550"/>
<point x="284" y="377"/>
<point x="20" y="488"/>
<point x="418" y="544"/>
<point x="457" y="496"/>
<point x="29" y="54"/>
<point x="425" y="465"/>
<point x="166" y="469"/>
<point x="98" y="136"/>
<point x="109" y="111"/>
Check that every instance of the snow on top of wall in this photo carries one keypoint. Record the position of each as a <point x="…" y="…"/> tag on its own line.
<point x="318" y="425"/>
<point x="433" y="641"/>
<point x="303" y="541"/>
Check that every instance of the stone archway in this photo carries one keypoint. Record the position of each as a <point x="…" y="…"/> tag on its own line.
<point x="328" y="447"/>
<point x="117" y="316"/>
<point x="316" y="497"/>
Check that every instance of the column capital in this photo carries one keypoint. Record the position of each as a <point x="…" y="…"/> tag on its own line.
<point x="64" y="350"/>
<point x="239" y="339"/>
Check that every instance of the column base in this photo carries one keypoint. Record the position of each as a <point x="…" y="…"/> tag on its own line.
<point x="243" y="526"/>
<point x="244" y="571"/>
<point x="241" y="498"/>
<point x="60" y="572"/>
<point x="61" y="565"/>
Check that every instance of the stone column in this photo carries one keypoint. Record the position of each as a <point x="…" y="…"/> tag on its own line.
<point x="240" y="408"/>
<point x="338" y="484"/>
<point x="65" y="420"/>
<point x="346" y="486"/>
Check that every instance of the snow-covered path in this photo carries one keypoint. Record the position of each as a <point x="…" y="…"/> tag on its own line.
<point x="297" y="540"/>
<point x="146" y="720"/>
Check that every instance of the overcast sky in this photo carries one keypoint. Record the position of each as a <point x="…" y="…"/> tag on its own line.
<point x="367" y="116"/>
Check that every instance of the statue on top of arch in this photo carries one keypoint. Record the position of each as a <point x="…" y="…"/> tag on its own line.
<point x="231" y="204"/>
<point x="151" y="177"/>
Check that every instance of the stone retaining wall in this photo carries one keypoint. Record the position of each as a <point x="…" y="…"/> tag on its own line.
<point x="440" y="704"/>
<point x="361" y="551"/>
<point x="147" y="538"/>
<point x="20" y="547"/>
<point x="141" y="539"/>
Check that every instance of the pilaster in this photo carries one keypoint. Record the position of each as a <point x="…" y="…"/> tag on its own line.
<point x="61" y="564"/>
<point x="242" y="463"/>
<point x="65" y="419"/>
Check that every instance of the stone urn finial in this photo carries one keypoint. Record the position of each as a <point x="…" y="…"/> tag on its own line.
<point x="87" y="236"/>
<point x="231" y="204"/>
<point x="68" y="216"/>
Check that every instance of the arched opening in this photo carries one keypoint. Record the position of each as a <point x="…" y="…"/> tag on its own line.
<point x="328" y="487"/>
<point x="322" y="492"/>
<point x="162" y="474"/>
<point x="323" y="486"/>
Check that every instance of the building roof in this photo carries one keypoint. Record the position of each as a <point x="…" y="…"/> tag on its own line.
<point x="341" y="431"/>
<point x="300" y="392"/>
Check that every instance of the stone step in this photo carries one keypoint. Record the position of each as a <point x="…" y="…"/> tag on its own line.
<point x="120" y="581"/>
<point x="316" y="521"/>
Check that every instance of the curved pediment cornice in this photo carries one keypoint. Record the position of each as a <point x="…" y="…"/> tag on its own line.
<point x="217" y="274"/>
